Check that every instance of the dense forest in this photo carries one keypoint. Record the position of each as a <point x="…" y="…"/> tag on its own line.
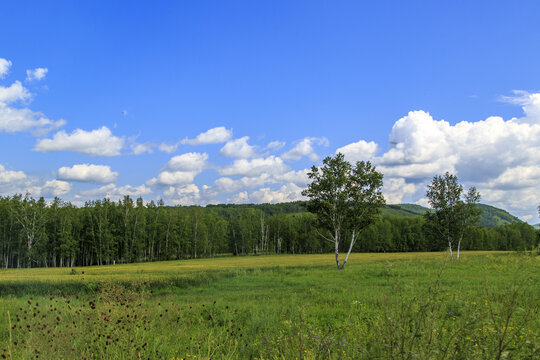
<point x="35" y="233"/>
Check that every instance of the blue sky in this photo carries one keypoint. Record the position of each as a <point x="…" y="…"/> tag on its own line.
<point x="416" y="87"/>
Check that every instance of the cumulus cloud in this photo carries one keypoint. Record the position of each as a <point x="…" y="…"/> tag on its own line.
<point x="141" y="148"/>
<point x="180" y="170"/>
<point x="114" y="192"/>
<point x="255" y="167"/>
<point x="395" y="189"/>
<point x="15" y="92"/>
<point x="286" y="193"/>
<point x="226" y="185"/>
<point x="305" y="148"/>
<point x="54" y="188"/>
<point x="17" y="182"/>
<point x="173" y="178"/>
<point x="499" y="157"/>
<point x="99" y="142"/>
<point x="359" y="151"/>
<point x="213" y="136"/>
<point x="14" y="119"/>
<point x="4" y="67"/>
<point x="7" y="176"/>
<point x="275" y="145"/>
<point x="238" y="148"/>
<point x="191" y="161"/>
<point x="240" y="198"/>
<point x="167" y="148"/>
<point x="299" y="177"/>
<point x="88" y="173"/>
<point x="36" y="74"/>
<point x="188" y="194"/>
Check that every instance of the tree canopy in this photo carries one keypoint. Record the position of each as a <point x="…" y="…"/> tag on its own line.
<point x="452" y="214"/>
<point x="345" y="198"/>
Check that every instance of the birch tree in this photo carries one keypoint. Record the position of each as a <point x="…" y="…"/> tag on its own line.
<point x="345" y="198"/>
<point x="452" y="211"/>
<point x="30" y="214"/>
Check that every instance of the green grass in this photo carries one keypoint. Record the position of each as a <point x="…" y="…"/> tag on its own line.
<point x="402" y="306"/>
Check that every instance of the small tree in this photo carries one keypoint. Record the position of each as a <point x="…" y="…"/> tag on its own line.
<point x="451" y="215"/>
<point x="346" y="199"/>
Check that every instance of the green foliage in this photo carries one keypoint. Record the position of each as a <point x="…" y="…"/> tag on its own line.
<point x="451" y="216"/>
<point x="493" y="217"/>
<point x="345" y="198"/>
<point x="421" y="306"/>
<point x="101" y="233"/>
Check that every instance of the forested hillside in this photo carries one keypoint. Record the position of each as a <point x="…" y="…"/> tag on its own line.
<point x="35" y="233"/>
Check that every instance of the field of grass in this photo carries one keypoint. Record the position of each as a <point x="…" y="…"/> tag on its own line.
<point x="382" y="306"/>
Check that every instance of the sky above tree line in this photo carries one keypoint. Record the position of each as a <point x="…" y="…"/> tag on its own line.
<point x="233" y="102"/>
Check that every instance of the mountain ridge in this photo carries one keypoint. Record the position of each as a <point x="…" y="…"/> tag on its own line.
<point x="491" y="216"/>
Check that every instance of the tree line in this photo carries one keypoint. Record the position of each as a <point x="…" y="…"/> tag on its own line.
<point x="34" y="233"/>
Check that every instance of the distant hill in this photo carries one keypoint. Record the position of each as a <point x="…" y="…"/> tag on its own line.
<point x="404" y="210"/>
<point x="536" y="226"/>
<point x="491" y="216"/>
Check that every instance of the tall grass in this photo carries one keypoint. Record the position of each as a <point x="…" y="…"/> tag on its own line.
<point x="396" y="306"/>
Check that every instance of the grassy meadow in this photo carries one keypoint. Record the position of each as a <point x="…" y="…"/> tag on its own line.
<point x="382" y="306"/>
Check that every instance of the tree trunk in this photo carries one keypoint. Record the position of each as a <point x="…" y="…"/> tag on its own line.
<point x="458" y="246"/>
<point x="353" y="238"/>
<point x="336" y="243"/>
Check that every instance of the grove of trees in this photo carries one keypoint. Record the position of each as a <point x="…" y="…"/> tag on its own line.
<point x="345" y="199"/>
<point x="451" y="215"/>
<point x="36" y="233"/>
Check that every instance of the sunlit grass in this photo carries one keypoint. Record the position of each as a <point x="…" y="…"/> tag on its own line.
<point x="280" y="307"/>
<point x="160" y="269"/>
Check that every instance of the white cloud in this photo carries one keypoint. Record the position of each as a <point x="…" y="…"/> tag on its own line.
<point x="240" y="198"/>
<point x="359" y="151"/>
<point x="499" y="157"/>
<point x="4" y="67"/>
<point x="299" y="177"/>
<point x="7" y="176"/>
<point x="13" y="93"/>
<point x="22" y="119"/>
<point x="113" y="192"/>
<point x="395" y="189"/>
<point x="36" y="74"/>
<point x="519" y="177"/>
<point x="225" y="185"/>
<point x="141" y="148"/>
<point x="54" y="188"/>
<point x="17" y="182"/>
<point x="275" y="145"/>
<point x="99" y="142"/>
<point x="286" y="193"/>
<point x="255" y="167"/>
<point x="184" y="195"/>
<point x="167" y="148"/>
<point x="213" y="136"/>
<point x="228" y="185"/>
<point x="88" y="173"/>
<point x="181" y="169"/>
<point x="173" y="178"/>
<point x="192" y="161"/>
<point x="305" y="148"/>
<point x="15" y="120"/>
<point x="238" y="148"/>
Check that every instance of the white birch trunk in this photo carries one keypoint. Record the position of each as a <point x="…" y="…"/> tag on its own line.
<point x="353" y="238"/>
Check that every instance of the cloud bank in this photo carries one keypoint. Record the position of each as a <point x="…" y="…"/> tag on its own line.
<point x="88" y="173"/>
<point x="99" y="142"/>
